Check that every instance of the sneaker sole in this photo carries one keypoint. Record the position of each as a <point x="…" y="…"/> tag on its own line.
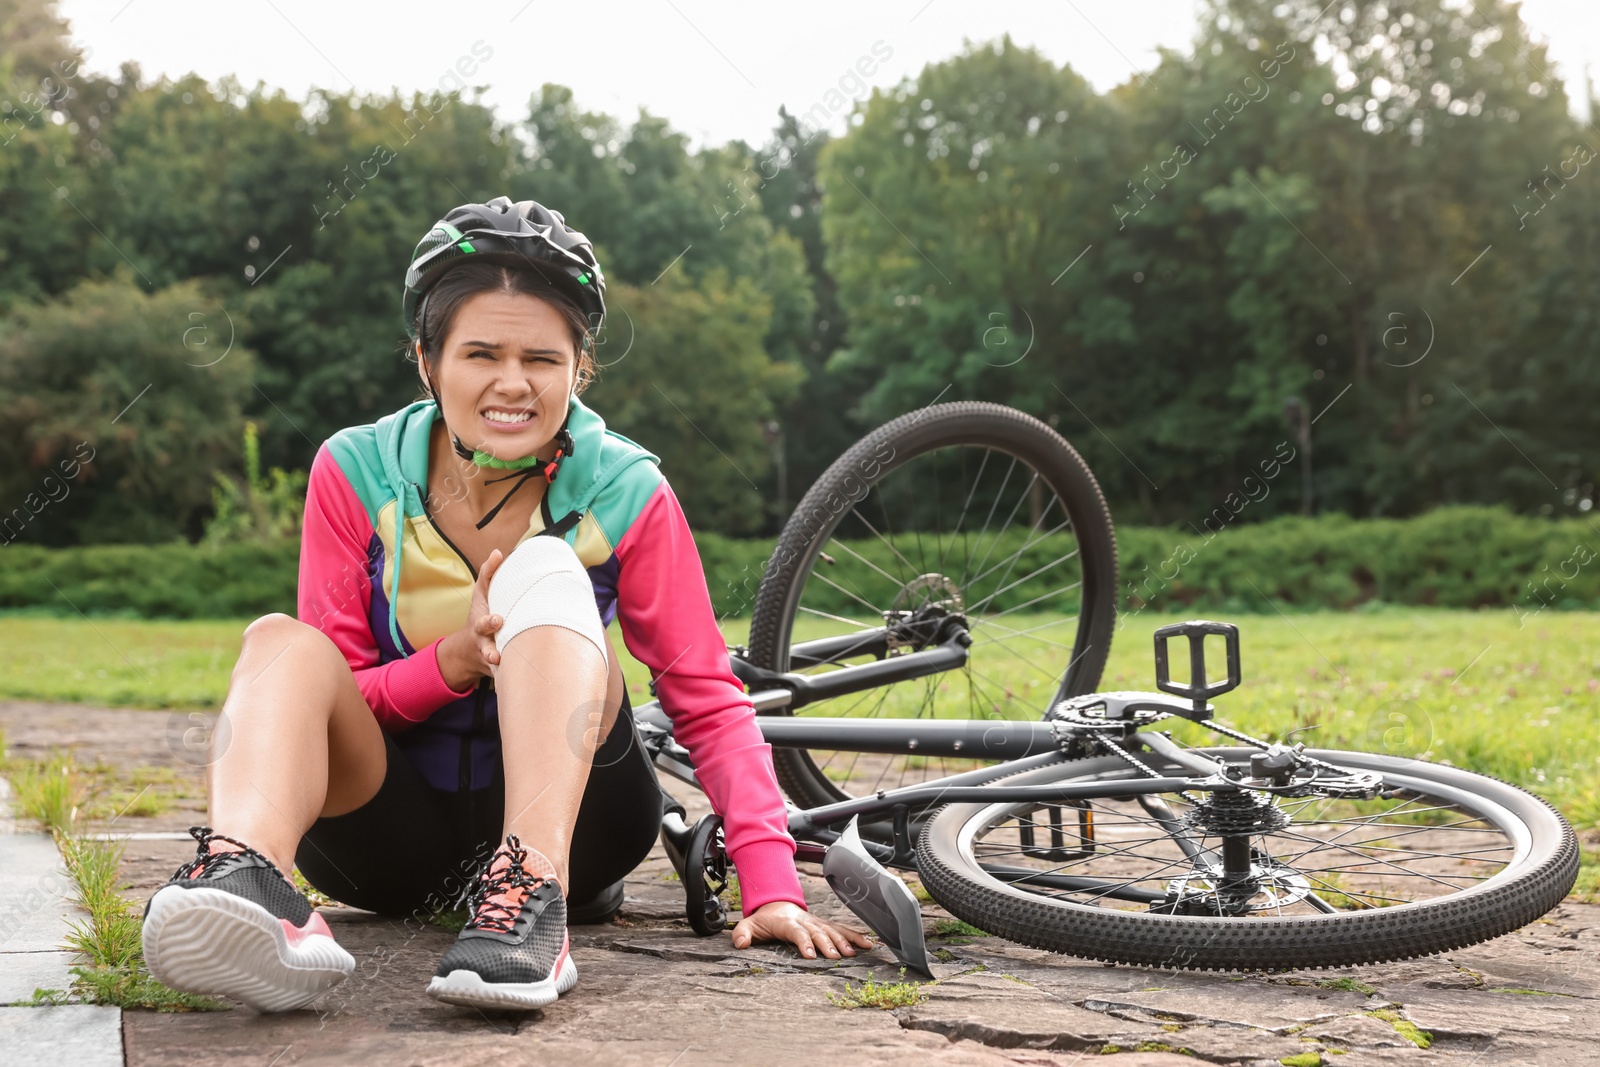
<point x="212" y="942"/>
<point x="468" y="988"/>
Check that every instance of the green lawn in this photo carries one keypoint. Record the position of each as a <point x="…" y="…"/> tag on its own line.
<point x="1471" y="688"/>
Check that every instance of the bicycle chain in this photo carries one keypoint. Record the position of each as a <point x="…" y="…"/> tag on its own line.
<point x="1136" y="763"/>
<point x="1239" y="735"/>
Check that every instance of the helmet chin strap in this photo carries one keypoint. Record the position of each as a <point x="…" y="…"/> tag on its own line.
<point x="521" y="469"/>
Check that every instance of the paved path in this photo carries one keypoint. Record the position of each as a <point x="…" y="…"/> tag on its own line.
<point x="651" y="992"/>
<point x="35" y="908"/>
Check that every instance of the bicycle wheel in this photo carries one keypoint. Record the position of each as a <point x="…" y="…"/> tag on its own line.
<point x="1444" y="858"/>
<point x="967" y="509"/>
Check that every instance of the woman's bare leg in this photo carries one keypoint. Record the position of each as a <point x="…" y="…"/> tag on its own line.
<point x="557" y="702"/>
<point x="296" y="741"/>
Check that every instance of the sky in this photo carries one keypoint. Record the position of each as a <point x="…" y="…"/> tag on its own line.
<point x="716" y="71"/>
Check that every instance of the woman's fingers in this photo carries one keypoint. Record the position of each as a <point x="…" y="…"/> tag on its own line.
<point x="819" y="937"/>
<point x="850" y="935"/>
<point x="811" y="937"/>
<point x="837" y="936"/>
<point x="486" y="573"/>
<point x="480" y="588"/>
<point x="802" y="941"/>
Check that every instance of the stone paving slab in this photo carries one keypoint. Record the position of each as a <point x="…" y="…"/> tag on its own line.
<point x="34" y="890"/>
<point x="23" y="972"/>
<point x="83" y="1035"/>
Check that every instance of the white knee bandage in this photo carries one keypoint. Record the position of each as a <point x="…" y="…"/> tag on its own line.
<point x="542" y="583"/>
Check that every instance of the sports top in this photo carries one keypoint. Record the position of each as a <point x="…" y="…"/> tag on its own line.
<point x="386" y="586"/>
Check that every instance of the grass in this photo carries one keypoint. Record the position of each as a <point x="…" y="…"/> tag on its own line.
<point x="451" y="920"/>
<point x="1587" y="889"/>
<point x="1403" y="1026"/>
<point x="48" y="792"/>
<point x="110" y="938"/>
<point x="117" y="662"/>
<point x="882" y="995"/>
<point x="155" y="663"/>
<point x="312" y="893"/>
<point x="957" y="928"/>
<point x="57" y="794"/>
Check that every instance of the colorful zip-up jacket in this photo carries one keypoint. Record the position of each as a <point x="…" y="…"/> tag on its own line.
<point x="378" y="578"/>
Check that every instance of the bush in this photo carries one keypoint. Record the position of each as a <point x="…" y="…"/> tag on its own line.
<point x="171" y="581"/>
<point x="257" y="509"/>
<point x="1458" y="557"/>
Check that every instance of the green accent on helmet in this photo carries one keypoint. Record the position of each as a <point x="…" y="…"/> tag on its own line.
<point x="466" y="247"/>
<point x="583" y="279"/>
<point x="453" y="233"/>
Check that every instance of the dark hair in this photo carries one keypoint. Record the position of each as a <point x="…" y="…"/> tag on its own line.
<point x="438" y="310"/>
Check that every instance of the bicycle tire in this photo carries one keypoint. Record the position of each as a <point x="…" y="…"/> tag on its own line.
<point x="1420" y="928"/>
<point x="859" y="469"/>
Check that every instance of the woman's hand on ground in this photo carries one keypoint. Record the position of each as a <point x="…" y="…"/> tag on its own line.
<point x="779" y="920"/>
<point x="471" y="652"/>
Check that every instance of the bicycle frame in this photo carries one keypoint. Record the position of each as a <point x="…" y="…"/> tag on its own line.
<point x="857" y="868"/>
<point x="1017" y="745"/>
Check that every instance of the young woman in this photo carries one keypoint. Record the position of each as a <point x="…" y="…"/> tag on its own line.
<point x="448" y="711"/>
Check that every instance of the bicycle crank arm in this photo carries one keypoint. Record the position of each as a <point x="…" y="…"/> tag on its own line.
<point x="877" y="897"/>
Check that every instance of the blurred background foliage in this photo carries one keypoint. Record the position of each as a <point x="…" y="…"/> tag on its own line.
<point x="1285" y="210"/>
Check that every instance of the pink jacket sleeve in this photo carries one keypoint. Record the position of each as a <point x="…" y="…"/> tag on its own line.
<point x="336" y="597"/>
<point x="667" y="622"/>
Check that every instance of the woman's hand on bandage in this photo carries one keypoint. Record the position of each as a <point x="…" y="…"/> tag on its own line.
<point x="470" y="653"/>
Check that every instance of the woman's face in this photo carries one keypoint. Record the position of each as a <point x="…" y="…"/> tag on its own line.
<point x="504" y="373"/>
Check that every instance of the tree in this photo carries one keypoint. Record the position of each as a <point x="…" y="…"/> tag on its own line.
<point x="111" y="422"/>
<point x="695" y="387"/>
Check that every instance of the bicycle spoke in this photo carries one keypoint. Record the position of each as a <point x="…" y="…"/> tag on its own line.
<point x="1036" y="600"/>
<point x="848" y="593"/>
<point x="1014" y="508"/>
<point x="1387" y="863"/>
<point x="990" y="517"/>
<point x="962" y="517"/>
<point x="1049" y="533"/>
<point x="902" y="551"/>
<point x="1025" y="578"/>
<point x="839" y="618"/>
<point x="845" y="545"/>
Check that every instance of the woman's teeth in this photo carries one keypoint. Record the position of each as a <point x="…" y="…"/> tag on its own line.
<point x="506" y="416"/>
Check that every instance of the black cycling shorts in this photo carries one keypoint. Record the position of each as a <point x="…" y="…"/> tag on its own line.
<point x="413" y="848"/>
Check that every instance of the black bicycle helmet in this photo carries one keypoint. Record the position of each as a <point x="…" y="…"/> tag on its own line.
<point x="525" y="234"/>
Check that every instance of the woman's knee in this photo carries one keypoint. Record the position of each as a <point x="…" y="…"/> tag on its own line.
<point x="543" y="583"/>
<point x="277" y="637"/>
